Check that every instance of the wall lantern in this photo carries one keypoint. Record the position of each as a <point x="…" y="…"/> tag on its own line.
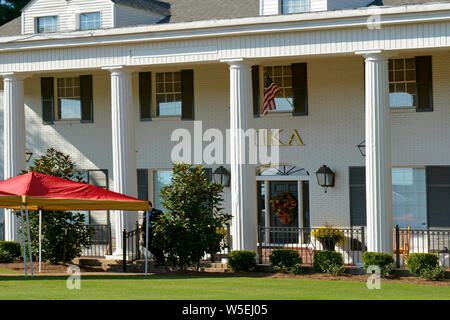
<point x="28" y="155"/>
<point x="222" y="176"/>
<point x="325" y="177"/>
<point x="362" y="148"/>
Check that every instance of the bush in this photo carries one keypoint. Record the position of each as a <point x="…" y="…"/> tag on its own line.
<point x="242" y="260"/>
<point x="286" y="261"/>
<point x="425" y="265"/>
<point x="12" y="247"/>
<point x="5" y="256"/>
<point x="330" y="262"/>
<point x="287" y="258"/>
<point x="384" y="261"/>
<point x="194" y="220"/>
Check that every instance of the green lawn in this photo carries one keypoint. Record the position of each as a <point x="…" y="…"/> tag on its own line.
<point x="204" y="287"/>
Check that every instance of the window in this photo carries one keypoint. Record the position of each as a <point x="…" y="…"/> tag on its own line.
<point x="295" y="6"/>
<point x="282" y="77"/>
<point x="69" y="102"/>
<point x="69" y="98"/>
<point x="409" y="197"/>
<point x="161" y="178"/>
<point x="402" y="83"/>
<point x="168" y="93"/>
<point x="47" y="24"/>
<point x="89" y="21"/>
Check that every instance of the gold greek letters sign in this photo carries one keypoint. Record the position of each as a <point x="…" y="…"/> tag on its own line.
<point x="278" y="137"/>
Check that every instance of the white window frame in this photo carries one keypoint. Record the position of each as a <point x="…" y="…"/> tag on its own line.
<point x="94" y="12"/>
<point x="405" y="82"/>
<point x="155" y="93"/>
<point x="37" y="19"/>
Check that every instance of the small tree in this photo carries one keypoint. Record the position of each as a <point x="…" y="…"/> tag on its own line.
<point x="63" y="233"/>
<point x="194" y="222"/>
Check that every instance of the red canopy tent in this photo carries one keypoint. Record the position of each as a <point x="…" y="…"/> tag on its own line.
<point x="37" y="191"/>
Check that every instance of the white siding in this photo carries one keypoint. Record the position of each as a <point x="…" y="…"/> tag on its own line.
<point x="270" y="7"/>
<point x="126" y="16"/>
<point x="346" y="4"/>
<point x="67" y="12"/>
<point x="318" y="5"/>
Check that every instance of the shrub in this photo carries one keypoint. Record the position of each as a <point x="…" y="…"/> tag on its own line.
<point x="64" y="234"/>
<point x="194" y="220"/>
<point x="5" y="256"/>
<point x="384" y="261"/>
<point x="287" y="258"/>
<point x="12" y="247"/>
<point x="242" y="260"/>
<point x="425" y="265"/>
<point x="330" y="262"/>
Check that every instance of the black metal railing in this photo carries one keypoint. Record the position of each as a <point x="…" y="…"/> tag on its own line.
<point x="351" y="242"/>
<point x="101" y="242"/>
<point x="306" y="241"/>
<point x="2" y="231"/>
<point x="130" y="246"/>
<point x="407" y="241"/>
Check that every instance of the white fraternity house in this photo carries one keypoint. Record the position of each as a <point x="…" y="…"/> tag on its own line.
<point x="364" y="88"/>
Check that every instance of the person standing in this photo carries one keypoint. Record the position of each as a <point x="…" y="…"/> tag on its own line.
<point x="154" y="215"/>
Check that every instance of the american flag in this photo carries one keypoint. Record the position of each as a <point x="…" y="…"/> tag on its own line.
<point x="270" y="91"/>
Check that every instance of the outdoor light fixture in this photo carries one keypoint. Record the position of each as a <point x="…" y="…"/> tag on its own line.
<point x="325" y="177"/>
<point x="28" y="155"/>
<point x="362" y="148"/>
<point x="222" y="176"/>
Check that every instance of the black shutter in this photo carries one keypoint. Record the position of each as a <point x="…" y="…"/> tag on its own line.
<point x="142" y="181"/>
<point x="86" y="96"/>
<point x="187" y="92"/>
<point x="438" y="196"/>
<point x="145" y="95"/>
<point x="358" y="196"/>
<point x="424" y="81"/>
<point x="48" y="100"/>
<point x="209" y="173"/>
<point x="255" y="88"/>
<point x="300" y="88"/>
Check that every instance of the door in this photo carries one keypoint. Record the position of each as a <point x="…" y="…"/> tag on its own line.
<point x="278" y="188"/>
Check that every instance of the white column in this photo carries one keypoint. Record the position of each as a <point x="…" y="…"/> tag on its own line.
<point x="14" y="140"/>
<point x="243" y="181"/>
<point x="123" y="149"/>
<point x="378" y="153"/>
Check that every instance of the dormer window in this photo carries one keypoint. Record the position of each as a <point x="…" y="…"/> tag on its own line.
<point x="294" y="6"/>
<point x="90" y="21"/>
<point x="47" y="24"/>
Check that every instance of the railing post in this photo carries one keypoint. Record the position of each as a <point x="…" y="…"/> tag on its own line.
<point x="124" y="250"/>
<point x="138" y="252"/>
<point x="397" y="246"/>
<point x="259" y="245"/>
<point x="363" y="239"/>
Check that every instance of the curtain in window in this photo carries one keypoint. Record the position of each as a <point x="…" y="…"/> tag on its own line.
<point x="294" y="6"/>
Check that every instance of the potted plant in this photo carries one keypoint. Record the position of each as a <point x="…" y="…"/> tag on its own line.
<point x="328" y="236"/>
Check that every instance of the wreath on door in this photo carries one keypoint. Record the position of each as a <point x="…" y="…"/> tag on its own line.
<point x="284" y="207"/>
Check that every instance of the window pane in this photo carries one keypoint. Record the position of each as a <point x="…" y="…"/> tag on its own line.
<point x="293" y="6"/>
<point x="89" y="21"/>
<point x="70" y="108"/>
<point x="161" y="178"/>
<point x="47" y="24"/>
<point x="409" y="199"/>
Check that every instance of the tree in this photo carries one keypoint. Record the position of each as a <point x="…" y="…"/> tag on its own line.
<point x="10" y="9"/>
<point x="194" y="222"/>
<point x="63" y="233"/>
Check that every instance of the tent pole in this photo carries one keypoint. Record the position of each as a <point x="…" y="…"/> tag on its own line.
<point x="23" y="242"/>
<point x="40" y="241"/>
<point x="146" y="242"/>
<point x="29" y="241"/>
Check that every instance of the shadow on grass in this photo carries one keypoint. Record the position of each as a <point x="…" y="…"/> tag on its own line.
<point x="124" y="276"/>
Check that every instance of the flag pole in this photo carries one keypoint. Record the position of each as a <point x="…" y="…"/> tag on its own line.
<point x="24" y="246"/>
<point x="40" y="241"/>
<point x="29" y="241"/>
<point x="284" y="96"/>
